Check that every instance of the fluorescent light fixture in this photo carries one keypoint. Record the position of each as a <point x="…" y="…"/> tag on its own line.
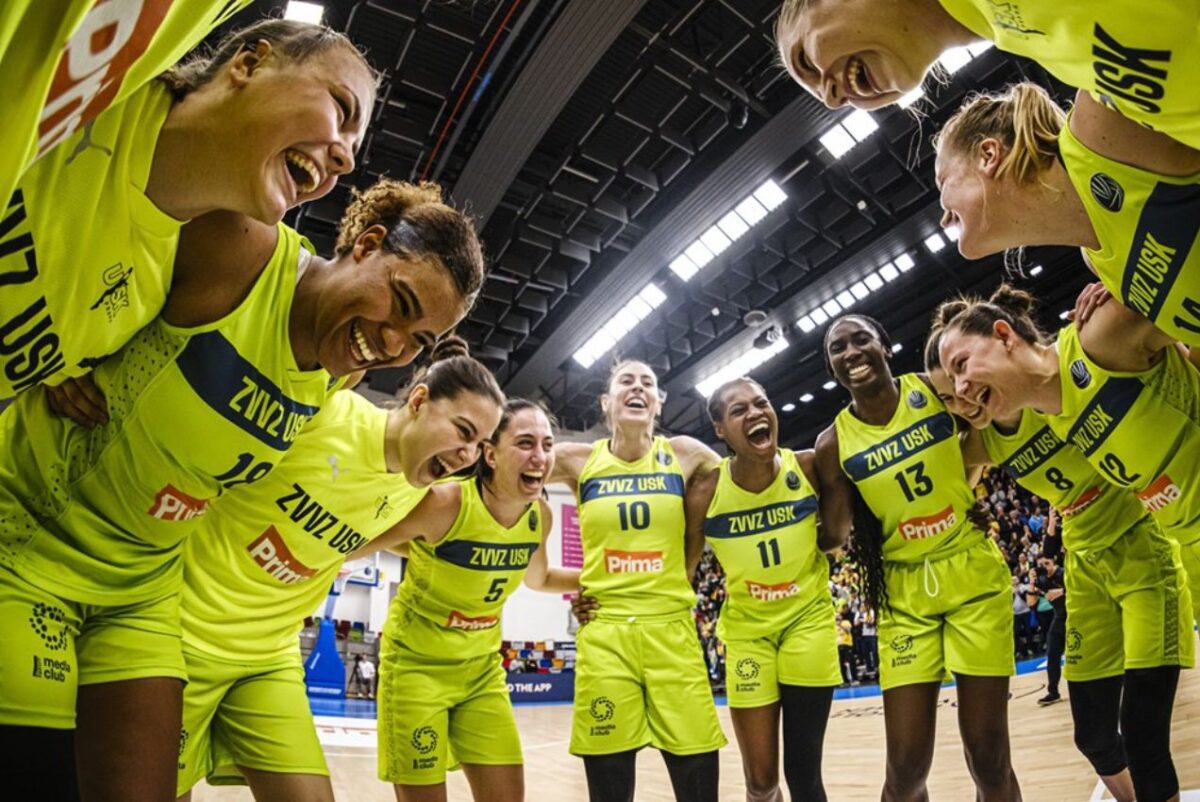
<point x="652" y="295"/>
<point x="905" y="262"/>
<point x="934" y="242"/>
<point x="603" y="340"/>
<point x="860" y="290"/>
<point x="837" y="141"/>
<point x="751" y="210"/>
<point x="952" y="233"/>
<point x="955" y="59"/>
<point x="832" y="307"/>
<point x="897" y="348"/>
<point x="846" y="299"/>
<point x="980" y="47"/>
<point x="615" y="327"/>
<point x="1063" y="314"/>
<point x="806" y="398"/>
<point x="873" y="281"/>
<point x="829" y="385"/>
<point x="621" y="323"/>
<point x="806" y="324"/>
<point x="769" y="194"/>
<point x="733" y="225"/>
<point x="627" y="318"/>
<point x="699" y="253"/>
<point x="819" y="317"/>
<point x="912" y="97"/>
<point x="741" y="365"/>
<point x="889" y="272"/>
<point x="638" y="306"/>
<point x="860" y="124"/>
<point x="715" y="240"/>
<point x="304" y="12"/>
<point x="684" y="267"/>
<point x="1035" y="270"/>
<point x="788" y="407"/>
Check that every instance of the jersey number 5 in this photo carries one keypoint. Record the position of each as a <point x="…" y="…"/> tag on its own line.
<point x="496" y="590"/>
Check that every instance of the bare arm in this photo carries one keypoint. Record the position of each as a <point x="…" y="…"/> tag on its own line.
<point x="695" y="508"/>
<point x="834" y="493"/>
<point x="694" y="457"/>
<point x="539" y="575"/>
<point x="430" y="520"/>
<point x="975" y="454"/>
<point x="569" y="459"/>
<point x="1117" y="338"/>
<point x="1121" y="139"/>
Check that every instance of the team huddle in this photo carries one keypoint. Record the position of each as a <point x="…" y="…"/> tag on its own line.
<point x="180" y="366"/>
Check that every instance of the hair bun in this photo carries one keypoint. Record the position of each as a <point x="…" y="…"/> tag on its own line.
<point x="449" y="347"/>
<point x="1012" y="300"/>
<point x="948" y="310"/>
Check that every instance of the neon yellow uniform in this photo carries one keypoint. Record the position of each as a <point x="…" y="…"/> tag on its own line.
<point x="777" y="621"/>
<point x="259" y="562"/>
<point x="1147" y="226"/>
<point x="1141" y="59"/>
<point x="1140" y="431"/>
<point x="85" y="257"/>
<point x="97" y="516"/>
<point x="1125" y="584"/>
<point x="948" y="587"/>
<point x="640" y="678"/>
<point x="66" y="61"/>
<point x="441" y="683"/>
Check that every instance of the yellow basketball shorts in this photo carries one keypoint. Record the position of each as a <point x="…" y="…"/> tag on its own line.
<point x="245" y="714"/>
<point x="948" y="615"/>
<point x="1128" y="606"/>
<point x="804" y="653"/>
<point x="53" y="645"/>
<point x="434" y="714"/>
<point x="642" y="683"/>
<point x="1190" y="555"/>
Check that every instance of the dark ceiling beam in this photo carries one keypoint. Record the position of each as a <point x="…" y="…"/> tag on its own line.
<point x="579" y="38"/>
<point x="752" y="163"/>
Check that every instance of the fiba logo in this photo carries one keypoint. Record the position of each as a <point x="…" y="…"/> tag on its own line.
<point x="747" y="668"/>
<point x="917" y="399"/>
<point x="1080" y="374"/>
<point x="664" y="458"/>
<point x="48" y="623"/>
<point x="533" y="520"/>
<point x="793" y="481"/>
<point x="602" y="708"/>
<point x="901" y="643"/>
<point x="424" y="740"/>
<point x="1107" y="192"/>
<point x="1074" y="640"/>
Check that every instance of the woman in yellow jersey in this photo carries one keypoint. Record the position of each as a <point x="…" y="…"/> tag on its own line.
<point x="1118" y="389"/>
<point x="640" y="679"/>
<point x="939" y="584"/>
<point x="66" y="62"/>
<point x="1140" y="59"/>
<point x="203" y="402"/>
<point x="89" y="236"/>
<point x="443" y="694"/>
<point x="759" y="514"/>
<point x="1127" y="596"/>
<point x="1015" y="171"/>
<point x="263" y="559"/>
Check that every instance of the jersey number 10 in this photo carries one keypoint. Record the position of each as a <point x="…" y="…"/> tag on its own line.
<point x="636" y="514"/>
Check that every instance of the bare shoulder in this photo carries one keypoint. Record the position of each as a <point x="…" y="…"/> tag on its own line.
<point x="1115" y="136"/>
<point x="569" y="459"/>
<point x="694" y="456"/>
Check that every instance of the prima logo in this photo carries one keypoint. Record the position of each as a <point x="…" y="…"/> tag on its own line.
<point x="747" y="668"/>
<point x="793" y="481"/>
<point x="50" y="625"/>
<point x="602" y="708"/>
<point x="917" y="399"/>
<point x="1080" y="374"/>
<point x="901" y="643"/>
<point x="424" y="739"/>
<point x="1107" y="192"/>
<point x="1074" y="640"/>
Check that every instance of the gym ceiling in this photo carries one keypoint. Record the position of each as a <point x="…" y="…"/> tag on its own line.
<point x="595" y="142"/>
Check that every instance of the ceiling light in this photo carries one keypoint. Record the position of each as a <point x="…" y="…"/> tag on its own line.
<point x="911" y="98"/>
<point x="652" y="295"/>
<point x="769" y="194"/>
<point x="980" y="47"/>
<point x="1035" y="270"/>
<point x="715" y="240"/>
<point x="873" y="281"/>
<point x="837" y="141"/>
<point x="819" y="317"/>
<point x="905" y="262"/>
<point x="733" y="225"/>
<point x="304" y="12"/>
<point x="741" y="365"/>
<point x="638" y="306"/>
<point x="934" y="242"/>
<point x="788" y="407"/>
<point x="952" y="233"/>
<point x="829" y="385"/>
<point x="806" y="324"/>
<point x="684" y="267"/>
<point x="860" y="290"/>
<point x="889" y="272"/>
<point x="699" y="253"/>
<point x="832" y="307"/>
<point x="845" y="299"/>
<point x="751" y="210"/>
<point x="1063" y="314"/>
<point x="955" y="59"/>
<point x="860" y="124"/>
<point x="807" y="397"/>
<point x="897" y="348"/>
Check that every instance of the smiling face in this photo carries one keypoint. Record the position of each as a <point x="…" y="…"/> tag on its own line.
<point x="978" y="417"/>
<point x="443" y="436"/>
<point x="857" y="357"/>
<point x="381" y="309"/>
<point x="749" y="424"/>
<point x="633" y="398"/>
<point x="522" y="457"/>
<point x="294" y="126"/>
<point x="865" y="53"/>
<point x="972" y="198"/>
<point x="985" y="370"/>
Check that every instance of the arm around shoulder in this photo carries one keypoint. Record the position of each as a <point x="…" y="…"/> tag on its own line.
<point x="430" y="520"/>
<point x="700" y="493"/>
<point x="835" y="494"/>
<point x="539" y="575"/>
<point x="694" y="456"/>
<point x="569" y="459"/>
